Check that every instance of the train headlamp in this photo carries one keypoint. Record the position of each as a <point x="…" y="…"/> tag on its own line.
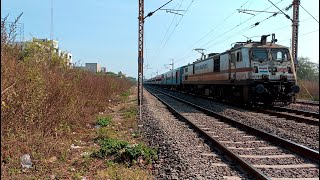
<point x="260" y="88"/>
<point x="295" y="89"/>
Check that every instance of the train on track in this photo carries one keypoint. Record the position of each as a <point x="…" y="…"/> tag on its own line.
<point x="252" y="72"/>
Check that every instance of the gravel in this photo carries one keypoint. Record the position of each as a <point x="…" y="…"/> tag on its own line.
<point x="304" y="107"/>
<point x="181" y="153"/>
<point x="234" y="138"/>
<point x="307" y="135"/>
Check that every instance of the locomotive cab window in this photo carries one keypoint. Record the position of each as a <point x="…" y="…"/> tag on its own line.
<point x="260" y="55"/>
<point x="280" y="55"/>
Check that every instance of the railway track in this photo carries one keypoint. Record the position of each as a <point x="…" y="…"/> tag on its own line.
<point x="312" y="103"/>
<point x="307" y="117"/>
<point x="260" y="154"/>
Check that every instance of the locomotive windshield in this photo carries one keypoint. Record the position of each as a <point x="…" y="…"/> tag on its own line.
<point x="260" y="54"/>
<point x="280" y="54"/>
<point x="274" y="54"/>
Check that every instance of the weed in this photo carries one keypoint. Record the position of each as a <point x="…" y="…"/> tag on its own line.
<point x="136" y="134"/>
<point x="124" y="152"/>
<point x="125" y="95"/>
<point x="122" y="172"/>
<point x="138" y="150"/>
<point x="110" y="163"/>
<point x="64" y="155"/>
<point x="109" y="147"/>
<point x="104" y="121"/>
<point x="131" y="113"/>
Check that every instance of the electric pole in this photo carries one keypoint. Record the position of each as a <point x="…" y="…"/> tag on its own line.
<point x="140" y="52"/>
<point x="140" y="49"/>
<point x="295" y="24"/>
<point x="172" y="64"/>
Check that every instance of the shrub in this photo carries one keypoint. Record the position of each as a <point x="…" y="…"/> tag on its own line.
<point x="124" y="152"/>
<point x="44" y="100"/>
<point x="104" y="121"/>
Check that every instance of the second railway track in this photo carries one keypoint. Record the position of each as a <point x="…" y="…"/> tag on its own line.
<point x="262" y="155"/>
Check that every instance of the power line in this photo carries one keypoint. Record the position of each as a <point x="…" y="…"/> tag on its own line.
<point x="287" y="16"/>
<point x="151" y="13"/>
<point x="188" y="55"/>
<point x="245" y="29"/>
<point x="302" y="35"/>
<point x="309" y="13"/>
<point x="177" y="24"/>
<point x="159" y="49"/>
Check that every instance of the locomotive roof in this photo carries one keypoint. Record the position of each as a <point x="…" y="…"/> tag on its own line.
<point x="241" y="45"/>
<point x="259" y="45"/>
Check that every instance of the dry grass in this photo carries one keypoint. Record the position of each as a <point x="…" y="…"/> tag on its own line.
<point x="309" y="90"/>
<point x="43" y="104"/>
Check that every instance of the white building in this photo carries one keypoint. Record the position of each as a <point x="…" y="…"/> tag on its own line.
<point x="103" y="69"/>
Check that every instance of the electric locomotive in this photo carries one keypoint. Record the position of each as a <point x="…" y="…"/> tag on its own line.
<point x="250" y="73"/>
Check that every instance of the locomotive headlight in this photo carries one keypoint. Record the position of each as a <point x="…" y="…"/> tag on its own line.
<point x="295" y="89"/>
<point x="274" y="69"/>
<point x="260" y="88"/>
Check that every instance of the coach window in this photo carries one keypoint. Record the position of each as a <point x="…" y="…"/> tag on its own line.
<point x="239" y="57"/>
<point x="186" y="70"/>
<point x="216" y="65"/>
<point x="233" y="58"/>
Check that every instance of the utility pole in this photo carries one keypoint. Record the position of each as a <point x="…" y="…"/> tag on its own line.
<point x="295" y="24"/>
<point x="140" y="49"/>
<point x="172" y="64"/>
<point x="140" y="53"/>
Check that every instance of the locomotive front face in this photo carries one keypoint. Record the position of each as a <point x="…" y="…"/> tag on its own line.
<point x="273" y="64"/>
<point x="273" y="76"/>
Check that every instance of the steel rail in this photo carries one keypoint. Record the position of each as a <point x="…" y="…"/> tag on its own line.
<point x="299" y="149"/>
<point x="248" y="168"/>
<point x="269" y="111"/>
<point x="298" y="112"/>
<point x="289" y="116"/>
<point x="307" y="102"/>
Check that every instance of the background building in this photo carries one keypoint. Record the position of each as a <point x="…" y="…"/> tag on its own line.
<point x="103" y="69"/>
<point x="93" y="67"/>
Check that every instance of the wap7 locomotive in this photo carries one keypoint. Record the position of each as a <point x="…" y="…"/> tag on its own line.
<point x="250" y="73"/>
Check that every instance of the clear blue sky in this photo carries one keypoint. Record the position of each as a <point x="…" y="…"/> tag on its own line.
<point x="106" y="32"/>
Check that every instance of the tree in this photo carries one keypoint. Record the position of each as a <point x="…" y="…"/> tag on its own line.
<point x="307" y="70"/>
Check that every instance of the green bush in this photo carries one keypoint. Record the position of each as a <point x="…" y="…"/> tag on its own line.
<point x="109" y="147"/>
<point x="104" y="121"/>
<point x="123" y="151"/>
<point x="135" y="151"/>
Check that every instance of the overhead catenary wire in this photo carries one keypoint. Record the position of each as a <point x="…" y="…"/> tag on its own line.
<point x="184" y="57"/>
<point x="309" y="13"/>
<point x="243" y="30"/>
<point x="287" y="16"/>
<point x="176" y="25"/>
<point x="159" y="49"/>
<point x="301" y="35"/>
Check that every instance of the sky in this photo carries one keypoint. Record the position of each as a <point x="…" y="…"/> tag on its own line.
<point x="106" y="32"/>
